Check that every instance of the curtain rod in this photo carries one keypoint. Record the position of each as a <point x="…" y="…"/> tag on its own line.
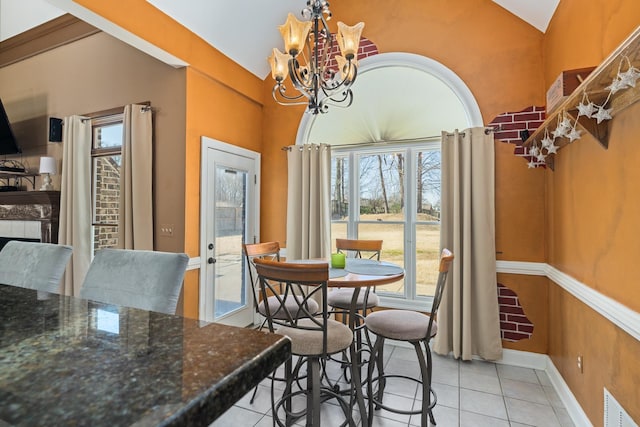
<point x="487" y="130"/>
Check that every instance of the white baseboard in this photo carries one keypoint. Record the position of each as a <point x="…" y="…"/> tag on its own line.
<point x="572" y="406"/>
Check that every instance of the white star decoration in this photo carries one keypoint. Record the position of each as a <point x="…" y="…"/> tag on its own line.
<point x="629" y="77"/>
<point x="602" y="114"/>
<point x="616" y="85"/>
<point x="574" y="134"/>
<point x="586" y="109"/>
<point x="558" y="132"/>
<point x="564" y="128"/>
<point x="546" y="141"/>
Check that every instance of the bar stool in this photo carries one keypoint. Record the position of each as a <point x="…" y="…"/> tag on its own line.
<point x="415" y="328"/>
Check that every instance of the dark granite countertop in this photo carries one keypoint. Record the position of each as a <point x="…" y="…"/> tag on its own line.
<point x="68" y="361"/>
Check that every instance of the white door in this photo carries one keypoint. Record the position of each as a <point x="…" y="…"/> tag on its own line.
<point x="230" y="200"/>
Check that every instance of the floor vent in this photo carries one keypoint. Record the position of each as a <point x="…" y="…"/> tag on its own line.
<point x="614" y="414"/>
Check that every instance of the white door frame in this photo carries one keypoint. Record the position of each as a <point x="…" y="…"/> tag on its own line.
<point x="206" y="144"/>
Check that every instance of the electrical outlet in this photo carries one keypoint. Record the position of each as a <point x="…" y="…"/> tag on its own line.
<point x="166" y="230"/>
<point x="580" y="365"/>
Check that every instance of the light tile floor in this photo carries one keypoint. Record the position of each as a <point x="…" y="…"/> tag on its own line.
<point x="470" y="394"/>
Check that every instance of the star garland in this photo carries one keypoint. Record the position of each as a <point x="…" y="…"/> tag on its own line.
<point x="565" y="129"/>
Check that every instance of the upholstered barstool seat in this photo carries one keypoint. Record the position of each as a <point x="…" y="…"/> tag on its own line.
<point x="309" y="342"/>
<point x="402" y="325"/>
<point x="341" y="298"/>
<point x="279" y="310"/>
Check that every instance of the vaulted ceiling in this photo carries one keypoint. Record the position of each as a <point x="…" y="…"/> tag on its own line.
<point x="250" y="44"/>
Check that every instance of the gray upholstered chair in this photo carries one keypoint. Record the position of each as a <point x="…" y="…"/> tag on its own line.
<point x="412" y="327"/>
<point x="33" y="265"/>
<point x="149" y="280"/>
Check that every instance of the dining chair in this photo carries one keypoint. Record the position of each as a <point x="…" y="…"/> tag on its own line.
<point x="314" y="336"/>
<point x="415" y="328"/>
<point x="148" y="280"/>
<point x="270" y="251"/>
<point x="34" y="265"/>
<point x="341" y="298"/>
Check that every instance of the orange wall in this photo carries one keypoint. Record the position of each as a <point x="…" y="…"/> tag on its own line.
<point x="215" y="111"/>
<point x="498" y="57"/>
<point x="223" y="101"/>
<point x="594" y="217"/>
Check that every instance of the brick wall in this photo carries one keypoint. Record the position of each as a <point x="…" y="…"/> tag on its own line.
<point x="514" y="324"/>
<point x="107" y="201"/>
<point x="510" y="125"/>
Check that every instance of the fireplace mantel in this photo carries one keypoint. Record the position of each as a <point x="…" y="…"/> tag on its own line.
<point x="42" y="206"/>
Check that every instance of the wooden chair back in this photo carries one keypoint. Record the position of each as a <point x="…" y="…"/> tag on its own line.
<point x="360" y="248"/>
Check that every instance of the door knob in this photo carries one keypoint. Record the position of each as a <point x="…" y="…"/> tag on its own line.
<point x="211" y="260"/>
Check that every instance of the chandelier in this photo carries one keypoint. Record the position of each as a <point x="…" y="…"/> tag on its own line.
<point x="307" y="60"/>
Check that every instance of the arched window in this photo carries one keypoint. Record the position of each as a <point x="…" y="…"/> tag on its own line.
<point x="386" y="162"/>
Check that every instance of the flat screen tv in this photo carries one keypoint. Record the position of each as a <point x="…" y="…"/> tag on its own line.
<point x="8" y="142"/>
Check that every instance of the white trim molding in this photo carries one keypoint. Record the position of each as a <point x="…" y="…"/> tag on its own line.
<point x="194" y="263"/>
<point x="619" y="314"/>
<point x="521" y="267"/>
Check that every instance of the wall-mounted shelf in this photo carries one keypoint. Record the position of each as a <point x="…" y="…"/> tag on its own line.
<point x="8" y="176"/>
<point x="595" y="86"/>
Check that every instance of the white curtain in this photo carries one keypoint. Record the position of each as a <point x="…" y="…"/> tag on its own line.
<point x="75" y="200"/>
<point x="309" y="202"/>
<point x="135" y="216"/>
<point x="468" y="319"/>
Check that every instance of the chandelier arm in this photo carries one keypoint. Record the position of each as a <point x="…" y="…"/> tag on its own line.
<point x="279" y="91"/>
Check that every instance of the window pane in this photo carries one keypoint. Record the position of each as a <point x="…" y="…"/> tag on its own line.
<point x="108" y="136"/>
<point x="427" y="258"/>
<point x="382" y="187"/>
<point x="106" y="189"/>
<point x="339" y="188"/>
<point x="392" y="236"/>
<point x="338" y="231"/>
<point x="428" y="186"/>
<point x="427" y="249"/>
<point x="230" y="215"/>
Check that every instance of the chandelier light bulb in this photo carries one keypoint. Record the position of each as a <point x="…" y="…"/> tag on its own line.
<point x="349" y="39"/>
<point x="294" y="33"/>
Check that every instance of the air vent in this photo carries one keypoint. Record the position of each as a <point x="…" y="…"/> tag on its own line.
<point x="614" y="414"/>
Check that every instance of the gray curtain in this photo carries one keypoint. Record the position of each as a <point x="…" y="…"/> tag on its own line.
<point x="135" y="215"/>
<point x="468" y="319"/>
<point x="75" y="200"/>
<point x="309" y="202"/>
